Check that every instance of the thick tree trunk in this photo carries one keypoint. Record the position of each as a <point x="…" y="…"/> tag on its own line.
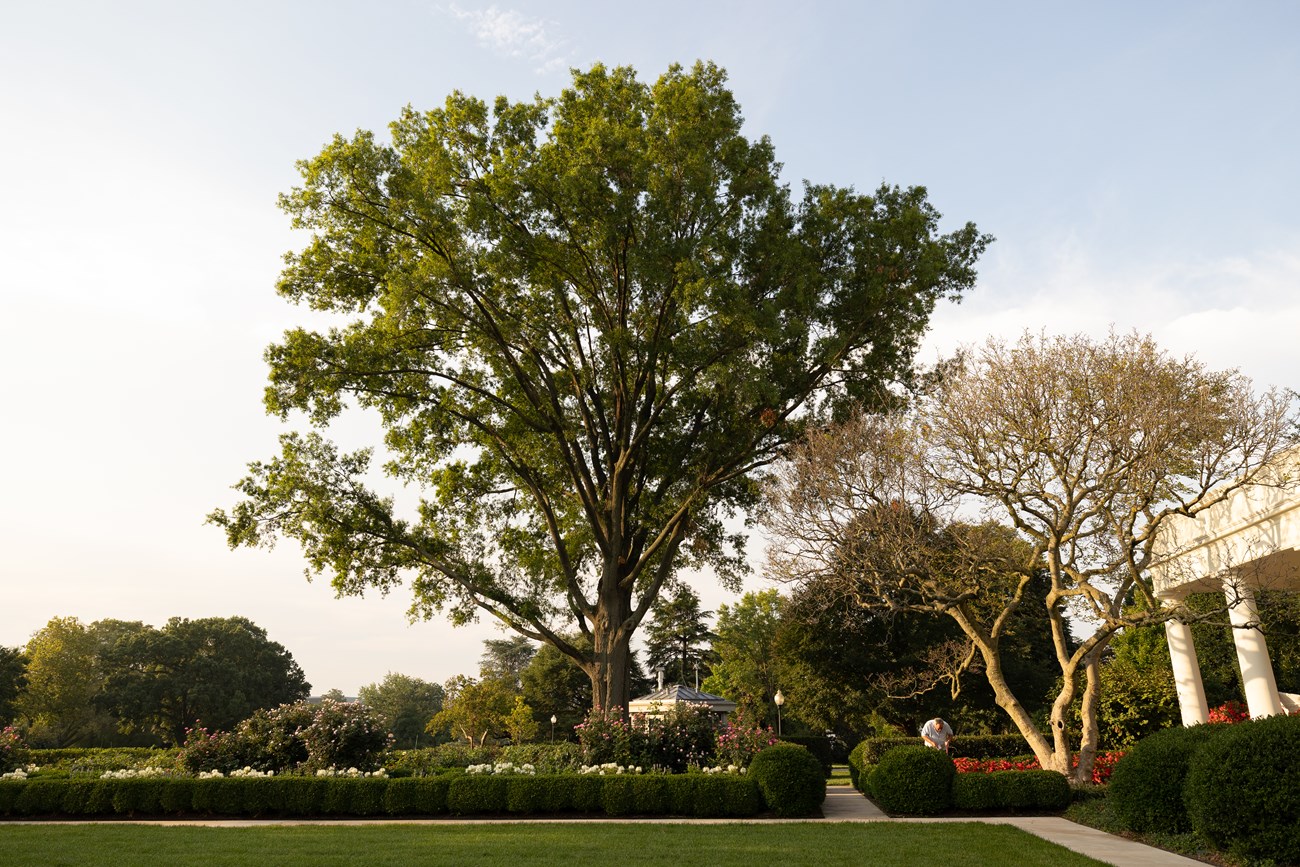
<point x="1011" y="705"/>
<point x="611" y="638"/>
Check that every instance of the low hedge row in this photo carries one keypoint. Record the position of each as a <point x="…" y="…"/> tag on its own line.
<point x="95" y="759"/>
<point x="963" y="746"/>
<point x="921" y="781"/>
<point x="698" y="795"/>
<point x="1030" y="791"/>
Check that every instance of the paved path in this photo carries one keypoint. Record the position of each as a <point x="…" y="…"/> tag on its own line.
<point x="844" y="804"/>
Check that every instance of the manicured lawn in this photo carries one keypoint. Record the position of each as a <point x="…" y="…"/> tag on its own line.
<point x="952" y="845"/>
<point x="839" y="776"/>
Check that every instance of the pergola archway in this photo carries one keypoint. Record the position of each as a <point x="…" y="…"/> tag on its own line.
<point x="1249" y="542"/>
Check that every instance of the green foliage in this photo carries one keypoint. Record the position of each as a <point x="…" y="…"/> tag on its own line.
<point x="740" y="739"/>
<point x="477" y="794"/>
<point x="1241" y="789"/>
<point x="818" y="745"/>
<point x="746" y="666"/>
<point x="62" y="701"/>
<point x="856" y="758"/>
<point x="554" y="685"/>
<point x="434" y="760"/>
<point x="1011" y="791"/>
<point x="1146" y="787"/>
<point x="13" y="752"/>
<point x="1137" y="688"/>
<point x="520" y="724"/>
<point x="963" y="746"/>
<point x="505" y="659"/>
<point x="414" y="796"/>
<point x="406" y="704"/>
<point x="542" y="292"/>
<point x="677" y="636"/>
<point x="95" y="760"/>
<point x="474" y="710"/>
<point x="978" y="792"/>
<point x="681" y="737"/>
<point x="547" y="758"/>
<point x="344" y="735"/>
<point x="13" y="677"/>
<point x="302" y="736"/>
<point x="913" y="780"/>
<point x="790" y="779"/>
<point x="214" y="671"/>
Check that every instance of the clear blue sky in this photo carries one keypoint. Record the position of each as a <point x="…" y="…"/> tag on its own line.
<point x="1136" y="161"/>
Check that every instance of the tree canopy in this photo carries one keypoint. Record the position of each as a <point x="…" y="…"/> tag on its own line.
<point x="214" y="670"/>
<point x="1084" y="448"/>
<point x="677" y="637"/>
<point x="62" y="698"/>
<point x="746" y="666"/>
<point x="13" y="676"/>
<point x="406" y="704"/>
<point x="584" y="322"/>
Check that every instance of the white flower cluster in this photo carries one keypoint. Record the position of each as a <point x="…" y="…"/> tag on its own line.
<point x="351" y="772"/>
<point x="608" y="768"/>
<point x="209" y="775"/>
<point x="20" y="773"/>
<point x="135" y="773"/>
<point x="729" y="769"/>
<point x="502" y="768"/>
<point x="246" y="771"/>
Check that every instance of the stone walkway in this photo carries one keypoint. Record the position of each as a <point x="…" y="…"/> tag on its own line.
<point x="844" y="804"/>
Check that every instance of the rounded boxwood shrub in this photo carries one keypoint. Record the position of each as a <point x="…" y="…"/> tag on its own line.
<point x="818" y="745"/>
<point x="1241" y="789"/>
<point x="1051" y="790"/>
<point x="915" y="780"/>
<point x="790" y="779"/>
<point x="975" y="792"/>
<point x="1146" y="787"/>
<point x="855" y="764"/>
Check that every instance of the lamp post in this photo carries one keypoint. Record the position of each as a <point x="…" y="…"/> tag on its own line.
<point x="553" y="722"/>
<point x="780" y="700"/>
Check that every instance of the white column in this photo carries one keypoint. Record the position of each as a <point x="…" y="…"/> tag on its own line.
<point x="1252" y="652"/>
<point x="1187" y="673"/>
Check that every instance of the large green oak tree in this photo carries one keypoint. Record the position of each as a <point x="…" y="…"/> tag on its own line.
<point x="586" y="323"/>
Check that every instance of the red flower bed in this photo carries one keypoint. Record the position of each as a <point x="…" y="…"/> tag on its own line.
<point x="1101" y="767"/>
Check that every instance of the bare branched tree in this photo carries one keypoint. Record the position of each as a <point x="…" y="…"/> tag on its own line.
<point x="1081" y="449"/>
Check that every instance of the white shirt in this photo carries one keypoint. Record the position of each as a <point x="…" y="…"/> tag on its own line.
<point x="938" y="731"/>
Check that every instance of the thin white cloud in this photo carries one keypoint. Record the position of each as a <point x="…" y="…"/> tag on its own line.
<point x="1229" y="312"/>
<point x="512" y="34"/>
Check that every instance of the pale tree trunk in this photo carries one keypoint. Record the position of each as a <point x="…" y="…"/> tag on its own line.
<point x="1061" y="752"/>
<point x="989" y="651"/>
<point x="1088" y="716"/>
<point x="1011" y="705"/>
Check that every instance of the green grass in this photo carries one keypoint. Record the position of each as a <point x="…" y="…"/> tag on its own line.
<point x="121" y="845"/>
<point x="839" y="776"/>
<point x="1096" y="813"/>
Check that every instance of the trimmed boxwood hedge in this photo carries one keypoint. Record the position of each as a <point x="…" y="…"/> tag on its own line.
<point x="790" y="778"/>
<point x="914" y="780"/>
<point x="1146" y="787"/>
<point x="963" y="747"/>
<point x="818" y="745"/>
<point x="855" y="765"/>
<point x="700" y="795"/>
<point x="1241" y="789"/>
